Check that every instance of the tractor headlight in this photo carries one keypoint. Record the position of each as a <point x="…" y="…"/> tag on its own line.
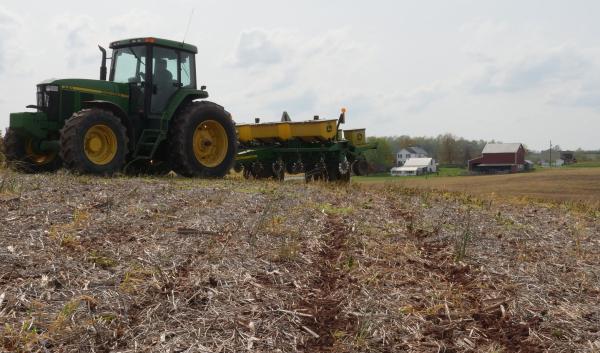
<point x="51" y="88"/>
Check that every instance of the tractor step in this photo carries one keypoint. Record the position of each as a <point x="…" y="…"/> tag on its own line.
<point x="148" y="143"/>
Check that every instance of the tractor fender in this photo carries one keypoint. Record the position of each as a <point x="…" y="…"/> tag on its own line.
<point x="180" y="99"/>
<point x="119" y="113"/>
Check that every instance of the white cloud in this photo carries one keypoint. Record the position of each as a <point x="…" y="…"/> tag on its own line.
<point x="584" y="93"/>
<point x="419" y="99"/>
<point x="131" y="24"/>
<point x="77" y="33"/>
<point x="301" y="102"/>
<point x="532" y="70"/>
<point x="8" y="18"/>
<point x="292" y="71"/>
<point x="259" y="48"/>
<point x="9" y="23"/>
<point x="398" y="67"/>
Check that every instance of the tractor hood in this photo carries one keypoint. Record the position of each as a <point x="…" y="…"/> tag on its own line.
<point x="95" y="87"/>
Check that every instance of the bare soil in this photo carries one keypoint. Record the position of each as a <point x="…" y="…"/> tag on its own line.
<point x="186" y="265"/>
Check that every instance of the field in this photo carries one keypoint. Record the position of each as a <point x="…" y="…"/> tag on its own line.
<point x="177" y="265"/>
<point x="584" y="165"/>
<point x="580" y="185"/>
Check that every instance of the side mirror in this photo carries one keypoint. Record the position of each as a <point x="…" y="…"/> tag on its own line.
<point x="203" y="88"/>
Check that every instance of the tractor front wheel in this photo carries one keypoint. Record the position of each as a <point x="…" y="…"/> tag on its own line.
<point x="93" y="141"/>
<point x="21" y="155"/>
<point x="202" y="141"/>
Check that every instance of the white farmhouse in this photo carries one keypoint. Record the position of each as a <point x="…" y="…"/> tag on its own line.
<point x="415" y="166"/>
<point x="410" y="152"/>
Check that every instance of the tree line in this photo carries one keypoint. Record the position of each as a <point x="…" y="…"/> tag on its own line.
<point x="446" y="149"/>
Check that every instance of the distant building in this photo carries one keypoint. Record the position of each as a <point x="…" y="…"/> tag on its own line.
<point x="410" y="152"/>
<point x="568" y="157"/>
<point x="529" y="165"/>
<point x="499" y="158"/>
<point x="552" y="155"/>
<point x="555" y="163"/>
<point x="415" y="166"/>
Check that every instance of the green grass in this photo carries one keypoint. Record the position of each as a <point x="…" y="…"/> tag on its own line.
<point x="583" y="165"/>
<point x="384" y="177"/>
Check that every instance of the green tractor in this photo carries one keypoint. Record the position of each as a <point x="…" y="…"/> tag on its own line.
<point x="147" y="114"/>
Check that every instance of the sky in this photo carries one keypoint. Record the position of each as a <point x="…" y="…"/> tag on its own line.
<point x="513" y="71"/>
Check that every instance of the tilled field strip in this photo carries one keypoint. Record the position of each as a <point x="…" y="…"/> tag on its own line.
<point x="329" y="292"/>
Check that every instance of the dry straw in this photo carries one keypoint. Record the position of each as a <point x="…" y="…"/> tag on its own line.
<point x="144" y="264"/>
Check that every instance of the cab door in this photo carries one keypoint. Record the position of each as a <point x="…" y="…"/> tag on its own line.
<point x="129" y="66"/>
<point x="166" y="78"/>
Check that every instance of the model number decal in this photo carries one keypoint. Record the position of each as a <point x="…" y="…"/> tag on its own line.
<point x="94" y="91"/>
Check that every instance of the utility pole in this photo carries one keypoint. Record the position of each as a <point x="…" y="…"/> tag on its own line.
<point x="550" y="150"/>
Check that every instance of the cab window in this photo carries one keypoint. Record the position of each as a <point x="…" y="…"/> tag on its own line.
<point x="164" y="72"/>
<point x="129" y="64"/>
<point x="188" y="76"/>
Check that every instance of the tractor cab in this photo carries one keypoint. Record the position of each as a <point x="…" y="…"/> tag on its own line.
<point x="155" y="69"/>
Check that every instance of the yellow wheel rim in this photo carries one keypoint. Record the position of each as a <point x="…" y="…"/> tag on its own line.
<point x="38" y="158"/>
<point x="100" y="144"/>
<point x="210" y="143"/>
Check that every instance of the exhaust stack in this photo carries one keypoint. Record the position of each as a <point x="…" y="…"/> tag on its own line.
<point x="103" y="64"/>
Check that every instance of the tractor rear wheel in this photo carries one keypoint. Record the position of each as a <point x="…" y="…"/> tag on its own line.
<point x="202" y="141"/>
<point x="93" y="141"/>
<point x="22" y="156"/>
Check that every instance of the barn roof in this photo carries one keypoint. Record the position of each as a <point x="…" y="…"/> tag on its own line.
<point x="417" y="150"/>
<point x="501" y="148"/>
<point x="405" y="169"/>
<point x="414" y="150"/>
<point x="417" y="162"/>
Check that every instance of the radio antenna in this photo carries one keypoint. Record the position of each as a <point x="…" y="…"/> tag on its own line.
<point x="188" y="26"/>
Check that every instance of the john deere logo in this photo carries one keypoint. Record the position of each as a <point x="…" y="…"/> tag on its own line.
<point x="329" y="128"/>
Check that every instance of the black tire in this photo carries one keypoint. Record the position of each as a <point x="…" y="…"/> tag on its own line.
<point x="360" y="167"/>
<point x="18" y="158"/>
<point x="261" y="170"/>
<point x="278" y="168"/>
<point x="338" y="171"/>
<point x="72" y="142"/>
<point x="289" y="168"/>
<point x="315" y="172"/>
<point x="247" y="172"/>
<point x="308" y="173"/>
<point x="334" y="175"/>
<point x="181" y="134"/>
<point x="238" y="167"/>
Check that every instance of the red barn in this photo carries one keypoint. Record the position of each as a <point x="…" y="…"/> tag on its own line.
<point x="499" y="158"/>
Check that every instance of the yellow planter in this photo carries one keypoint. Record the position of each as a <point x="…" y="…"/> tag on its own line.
<point x="356" y="136"/>
<point x="313" y="130"/>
